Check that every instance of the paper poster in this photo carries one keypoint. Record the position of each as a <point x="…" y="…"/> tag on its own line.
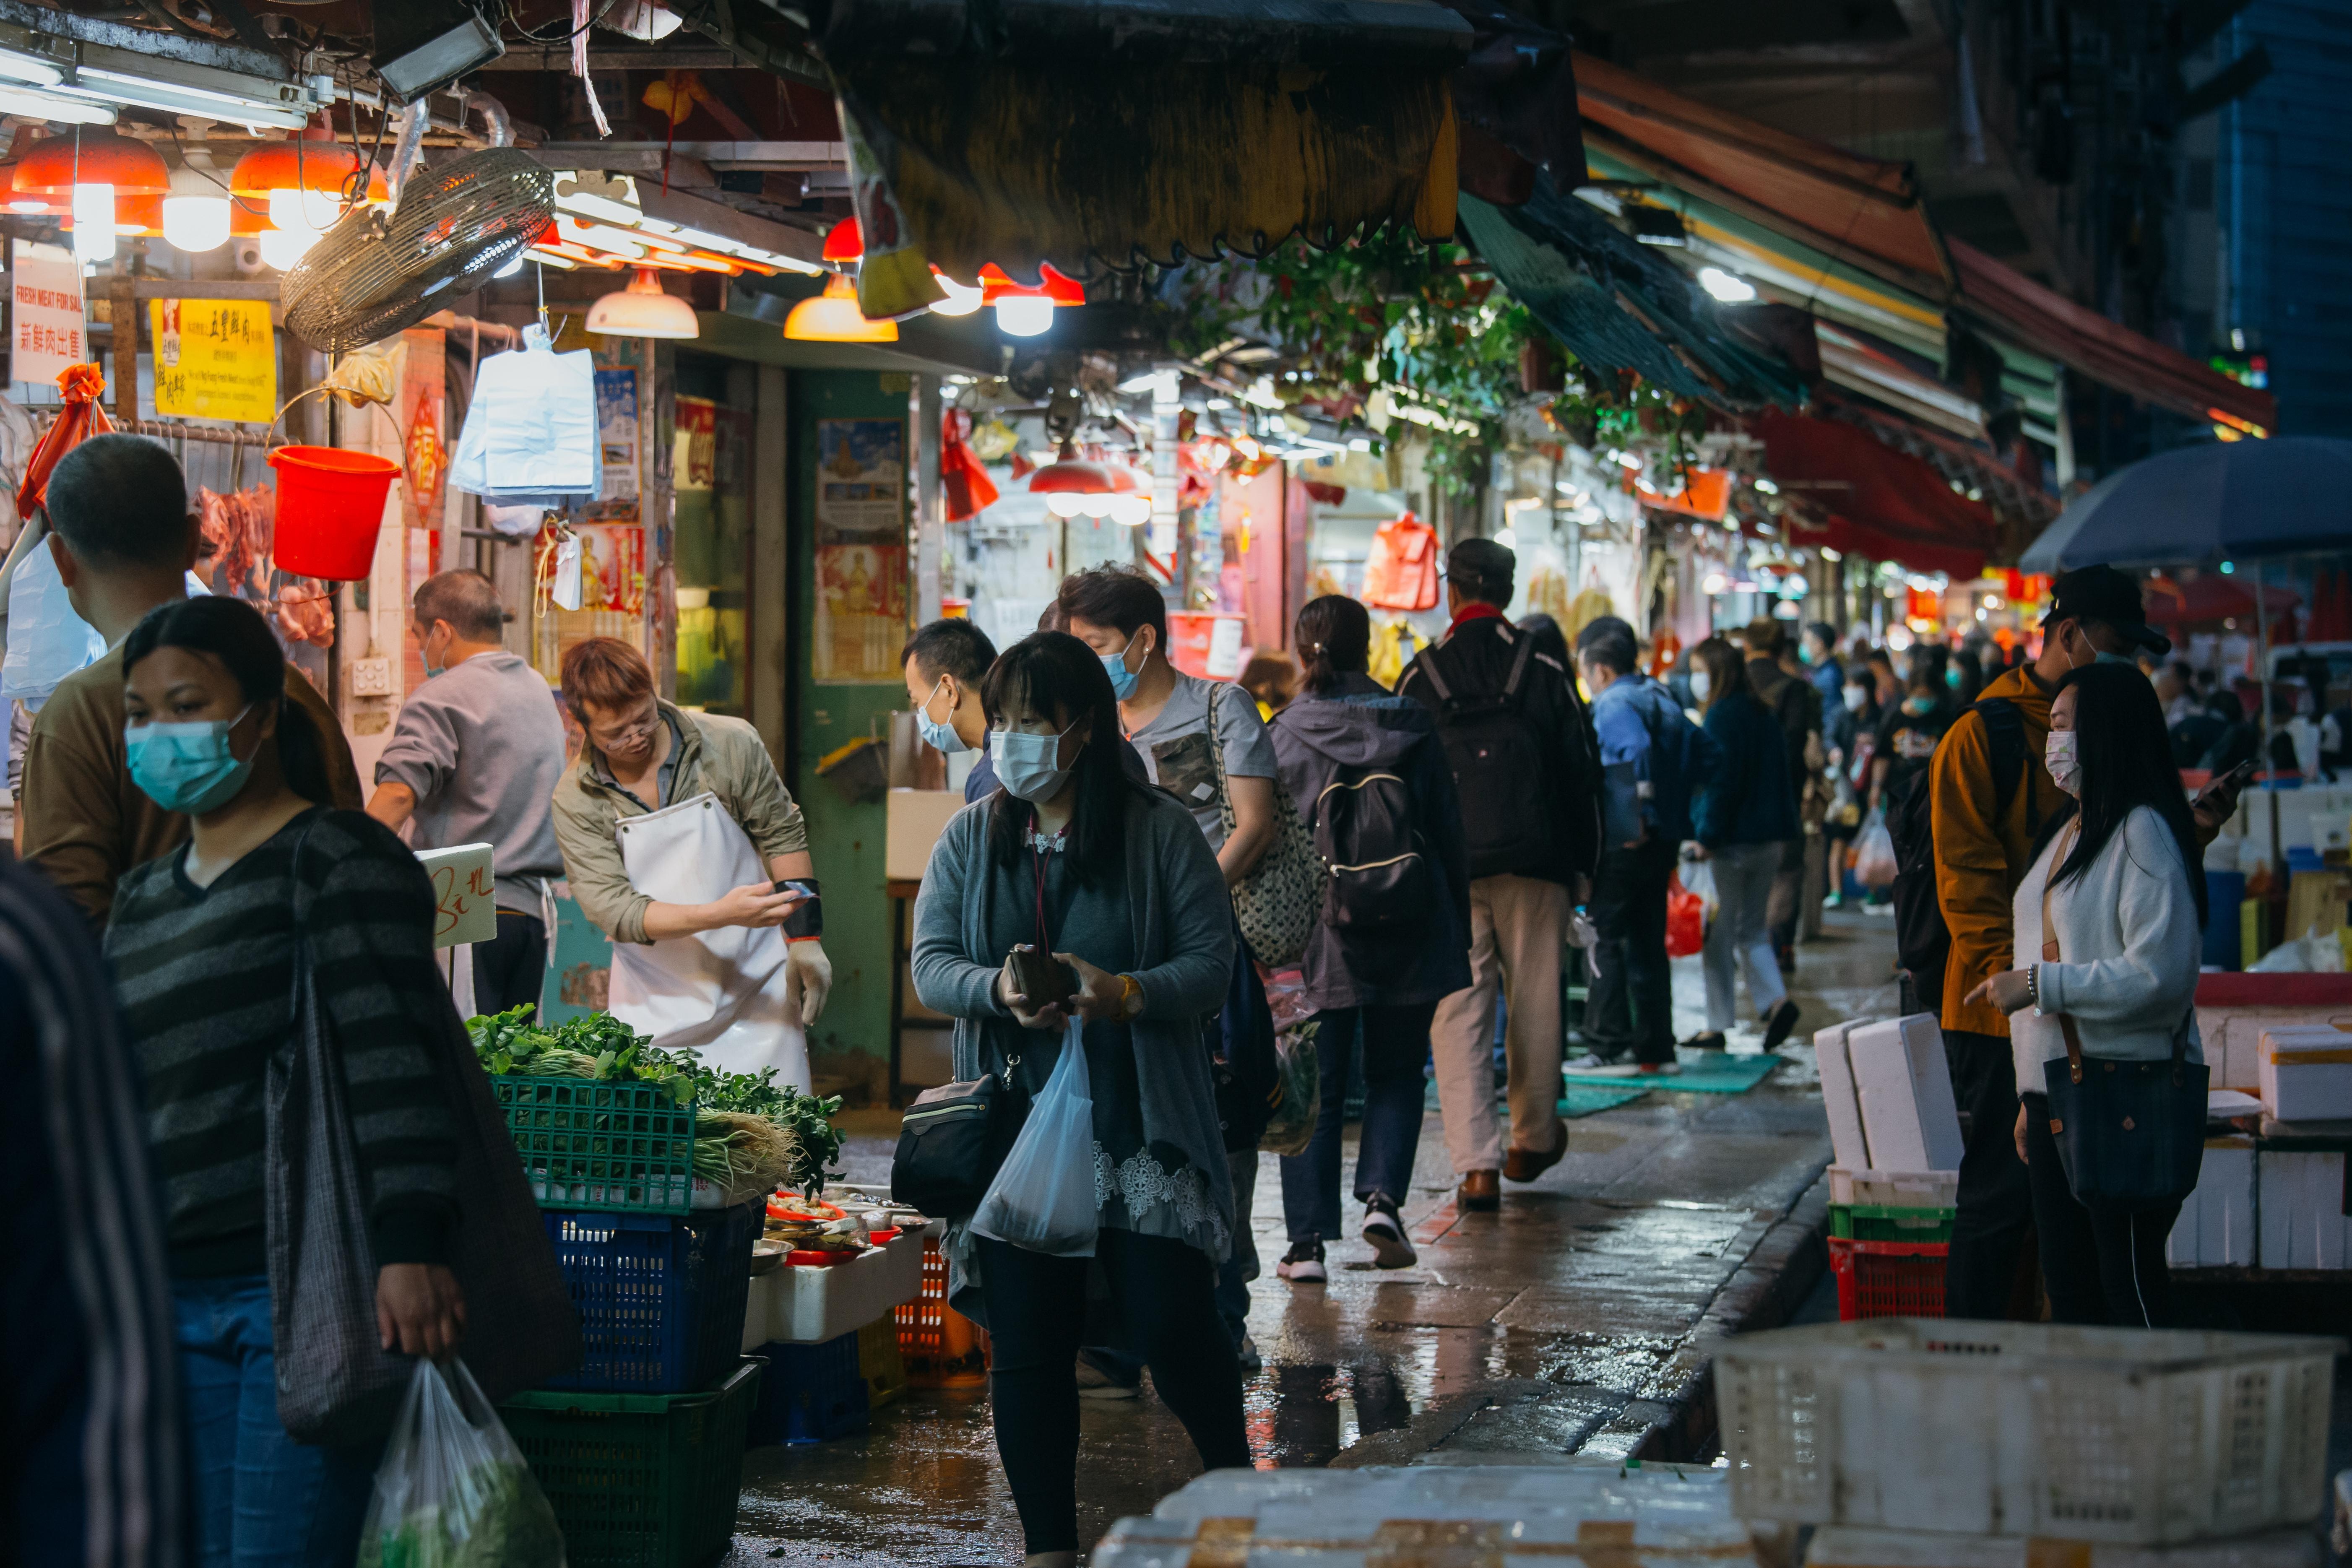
<point x="612" y="567"/>
<point x="693" y="457"/>
<point x="861" y="482"/>
<point x="45" y="284"/>
<point x="861" y="611"/>
<point x="214" y="359"/>
<point x="616" y="429"/>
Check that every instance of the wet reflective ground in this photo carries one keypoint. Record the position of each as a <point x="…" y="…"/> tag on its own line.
<point x="1550" y="1327"/>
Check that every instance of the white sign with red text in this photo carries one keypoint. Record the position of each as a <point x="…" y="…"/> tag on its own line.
<point x="47" y="333"/>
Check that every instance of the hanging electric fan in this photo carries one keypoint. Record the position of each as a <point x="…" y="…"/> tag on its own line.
<point x="369" y="275"/>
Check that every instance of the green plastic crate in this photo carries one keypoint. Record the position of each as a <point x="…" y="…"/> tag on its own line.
<point x="1877" y="1222"/>
<point x="590" y="1145"/>
<point x="639" y="1480"/>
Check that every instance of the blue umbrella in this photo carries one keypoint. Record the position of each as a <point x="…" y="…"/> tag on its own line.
<point x="2237" y="501"/>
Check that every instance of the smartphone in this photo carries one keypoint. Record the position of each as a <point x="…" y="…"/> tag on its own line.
<point x="1041" y="980"/>
<point x="801" y="885"/>
<point x="2235" y="779"/>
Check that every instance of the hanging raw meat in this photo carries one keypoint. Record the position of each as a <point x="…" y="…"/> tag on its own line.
<point x="306" y="612"/>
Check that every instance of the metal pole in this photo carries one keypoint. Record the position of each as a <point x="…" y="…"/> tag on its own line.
<point x="2263" y="675"/>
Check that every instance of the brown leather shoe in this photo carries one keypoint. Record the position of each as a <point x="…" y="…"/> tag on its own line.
<point x="1527" y="1164"/>
<point x="1481" y="1191"/>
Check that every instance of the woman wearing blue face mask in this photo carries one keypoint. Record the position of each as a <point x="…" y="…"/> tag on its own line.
<point x="1110" y="879"/>
<point x="203" y="946"/>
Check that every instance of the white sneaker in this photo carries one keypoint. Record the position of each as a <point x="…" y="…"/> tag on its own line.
<point x="1303" y="1264"/>
<point x="1390" y="1249"/>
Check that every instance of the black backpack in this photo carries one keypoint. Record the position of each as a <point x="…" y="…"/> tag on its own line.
<point x="1922" y="943"/>
<point x="1500" y="769"/>
<point x="1379" y="871"/>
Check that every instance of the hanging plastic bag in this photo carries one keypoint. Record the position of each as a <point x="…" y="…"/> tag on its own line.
<point x="46" y="641"/>
<point x="1042" y="1199"/>
<point x="1685" y="915"/>
<point x="1873" y="852"/>
<point x="1292" y="1126"/>
<point x="1699" y="877"/>
<point x="453" y="1489"/>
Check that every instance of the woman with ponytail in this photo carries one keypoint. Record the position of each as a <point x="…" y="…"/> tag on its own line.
<point x="203" y="943"/>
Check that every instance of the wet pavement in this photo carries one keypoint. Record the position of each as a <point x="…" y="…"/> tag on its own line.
<point x="1576" y="1320"/>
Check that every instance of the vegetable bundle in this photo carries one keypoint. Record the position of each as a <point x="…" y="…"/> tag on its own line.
<point x="752" y="1133"/>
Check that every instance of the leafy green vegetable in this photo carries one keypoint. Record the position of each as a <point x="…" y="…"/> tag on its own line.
<point x="499" y="1520"/>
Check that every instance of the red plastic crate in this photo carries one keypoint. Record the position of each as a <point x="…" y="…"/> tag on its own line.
<point x="1888" y="1278"/>
<point x="941" y="1348"/>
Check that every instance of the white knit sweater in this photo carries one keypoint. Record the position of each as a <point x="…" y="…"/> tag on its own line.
<point x="2128" y="945"/>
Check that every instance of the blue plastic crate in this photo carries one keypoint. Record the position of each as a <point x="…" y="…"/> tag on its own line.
<point x="660" y="1297"/>
<point x="811" y="1394"/>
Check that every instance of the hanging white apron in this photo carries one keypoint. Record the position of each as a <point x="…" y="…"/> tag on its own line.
<point x="723" y="993"/>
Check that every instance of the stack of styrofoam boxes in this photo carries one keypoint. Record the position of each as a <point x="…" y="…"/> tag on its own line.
<point x="2217" y="1225"/>
<point x="2306" y="1074"/>
<point x="1911" y="1445"/>
<point x="1897" y="1136"/>
<point x="1658" y="1516"/>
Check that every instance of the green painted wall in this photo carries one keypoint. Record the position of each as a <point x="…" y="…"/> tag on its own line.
<point x="850" y="1046"/>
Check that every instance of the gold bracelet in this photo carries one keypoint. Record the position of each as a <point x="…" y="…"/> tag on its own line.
<point x="1130" y="988"/>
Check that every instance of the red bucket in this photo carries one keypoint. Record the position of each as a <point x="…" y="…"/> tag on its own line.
<point x="330" y="510"/>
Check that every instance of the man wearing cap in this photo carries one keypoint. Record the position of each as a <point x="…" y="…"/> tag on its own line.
<point x="1983" y="849"/>
<point x="1529" y="777"/>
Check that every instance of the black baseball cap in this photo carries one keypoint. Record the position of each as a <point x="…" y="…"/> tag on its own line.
<point x="2103" y="594"/>
<point x="1481" y="566"/>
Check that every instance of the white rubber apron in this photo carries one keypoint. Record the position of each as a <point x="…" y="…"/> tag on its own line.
<point x="723" y="993"/>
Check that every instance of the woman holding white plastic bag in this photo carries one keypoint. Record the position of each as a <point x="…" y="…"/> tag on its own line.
<point x="1075" y="864"/>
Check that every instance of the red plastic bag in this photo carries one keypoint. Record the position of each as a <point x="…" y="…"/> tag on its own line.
<point x="1400" y="572"/>
<point x="83" y="416"/>
<point x="1685" y="920"/>
<point x="963" y="481"/>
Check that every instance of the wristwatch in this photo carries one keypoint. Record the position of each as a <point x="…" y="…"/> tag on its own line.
<point x="1131" y="998"/>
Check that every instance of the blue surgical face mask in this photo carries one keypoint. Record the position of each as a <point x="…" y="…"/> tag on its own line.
<point x="188" y="768"/>
<point x="2106" y="657"/>
<point x="1122" y="679"/>
<point x="934" y="732"/>
<point x="1029" y="765"/>
<point x="431" y="669"/>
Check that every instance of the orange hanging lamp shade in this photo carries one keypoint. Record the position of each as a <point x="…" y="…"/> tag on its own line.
<point x="132" y="216"/>
<point x="845" y="244"/>
<point x="298" y="165"/>
<point x="54" y="165"/>
<point x="995" y="284"/>
<point x="833" y="317"/>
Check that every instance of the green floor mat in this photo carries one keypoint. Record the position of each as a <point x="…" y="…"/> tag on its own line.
<point x="1576" y="1099"/>
<point x="1704" y="1072"/>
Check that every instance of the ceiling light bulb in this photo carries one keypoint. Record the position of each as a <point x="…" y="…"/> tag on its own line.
<point x="196" y="222"/>
<point x="1096" y="506"/>
<point x="960" y="299"/>
<point x="1131" y="511"/>
<point x="1065" y="503"/>
<point x="93" y="215"/>
<point x="1024" y="315"/>
<point x="1729" y="288"/>
<point x="282" y="248"/>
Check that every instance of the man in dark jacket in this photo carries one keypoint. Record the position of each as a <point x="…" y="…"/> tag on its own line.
<point x="1522" y="754"/>
<point x="1798" y="706"/>
<point x="1652" y="758"/>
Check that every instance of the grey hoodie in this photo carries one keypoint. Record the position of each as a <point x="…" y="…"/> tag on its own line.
<point x="1363" y="726"/>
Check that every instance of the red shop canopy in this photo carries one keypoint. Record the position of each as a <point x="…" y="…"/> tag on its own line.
<point x="1881" y="503"/>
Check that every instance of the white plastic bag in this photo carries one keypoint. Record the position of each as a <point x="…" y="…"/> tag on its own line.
<point x="1873" y="852"/>
<point x="453" y="1490"/>
<point x="46" y="641"/>
<point x="1042" y="1199"/>
<point x="1699" y="877"/>
<point x="531" y="427"/>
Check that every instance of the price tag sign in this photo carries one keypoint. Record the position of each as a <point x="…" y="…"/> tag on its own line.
<point x="465" y="894"/>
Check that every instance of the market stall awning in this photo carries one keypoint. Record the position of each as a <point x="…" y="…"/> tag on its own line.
<point x="1870" y="500"/>
<point x="1086" y="134"/>
<point x="1866" y="211"/>
<point x="1613" y="304"/>
<point x="2211" y="598"/>
<point x="2107" y="351"/>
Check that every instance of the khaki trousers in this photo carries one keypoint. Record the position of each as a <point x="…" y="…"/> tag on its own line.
<point x="1519" y="929"/>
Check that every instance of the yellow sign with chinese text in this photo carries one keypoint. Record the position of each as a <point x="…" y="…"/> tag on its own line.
<point x="214" y="359"/>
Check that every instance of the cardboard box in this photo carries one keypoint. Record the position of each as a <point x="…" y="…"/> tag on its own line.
<point x="2306" y="1073"/>
<point x="1846" y="1139"/>
<point x="2216" y="1228"/>
<point x="915" y="819"/>
<point x="2303" y="1224"/>
<point x="1905" y="1092"/>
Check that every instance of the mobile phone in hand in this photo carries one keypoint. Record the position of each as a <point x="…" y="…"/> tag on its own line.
<point x="801" y="885"/>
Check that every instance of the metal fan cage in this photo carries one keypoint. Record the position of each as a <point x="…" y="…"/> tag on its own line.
<point x="369" y="276"/>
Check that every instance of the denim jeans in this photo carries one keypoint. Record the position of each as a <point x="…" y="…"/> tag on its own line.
<point x="1738" y="938"/>
<point x="1395" y="1045"/>
<point x="262" y="1500"/>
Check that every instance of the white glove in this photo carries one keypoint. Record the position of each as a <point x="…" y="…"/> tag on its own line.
<point x="807" y="968"/>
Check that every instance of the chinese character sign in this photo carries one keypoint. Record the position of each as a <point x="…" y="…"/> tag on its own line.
<point x="214" y="359"/>
<point x="45" y="284"/>
<point x="861" y="548"/>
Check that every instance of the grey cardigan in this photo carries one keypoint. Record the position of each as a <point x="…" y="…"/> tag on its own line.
<point x="1183" y="938"/>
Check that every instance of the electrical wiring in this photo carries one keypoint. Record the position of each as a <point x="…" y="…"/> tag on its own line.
<point x="507" y="19"/>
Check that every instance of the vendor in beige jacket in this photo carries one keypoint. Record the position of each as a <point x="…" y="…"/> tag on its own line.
<point x="677" y="837"/>
<point x="2108" y="933"/>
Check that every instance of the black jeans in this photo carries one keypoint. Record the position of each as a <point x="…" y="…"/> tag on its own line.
<point x="1394" y="1049"/>
<point x="1996" y="1202"/>
<point x="1631" y="1004"/>
<point x="511" y="969"/>
<point x="2101" y="1268"/>
<point x="1036" y="1318"/>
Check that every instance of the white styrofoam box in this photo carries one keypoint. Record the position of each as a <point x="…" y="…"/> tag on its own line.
<point x="1905" y="1093"/>
<point x="1839" y="1547"/>
<point x="2303" y="1221"/>
<point x="2216" y="1228"/>
<point x="2131" y="1435"/>
<point x="2306" y="1073"/>
<point x="1895" y="1189"/>
<point x="1846" y="1139"/>
<point x="2232" y="1038"/>
<point x="809" y="1306"/>
<point x="1498" y="1513"/>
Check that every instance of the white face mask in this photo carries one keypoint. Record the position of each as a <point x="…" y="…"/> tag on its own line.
<point x="1855" y="698"/>
<point x="2059" y="757"/>
<point x="1701" y="684"/>
<point x="1028" y="765"/>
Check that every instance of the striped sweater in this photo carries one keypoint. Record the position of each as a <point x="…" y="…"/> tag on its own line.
<point x="205" y="979"/>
